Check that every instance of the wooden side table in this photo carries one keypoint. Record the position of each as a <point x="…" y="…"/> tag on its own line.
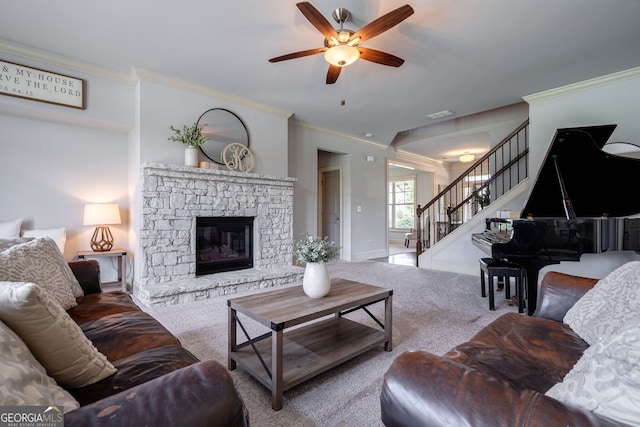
<point x="122" y="263"/>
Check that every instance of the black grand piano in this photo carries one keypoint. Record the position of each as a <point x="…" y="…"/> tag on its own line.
<point x="579" y="203"/>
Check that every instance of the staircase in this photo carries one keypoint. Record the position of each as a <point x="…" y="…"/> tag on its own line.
<point x="491" y="176"/>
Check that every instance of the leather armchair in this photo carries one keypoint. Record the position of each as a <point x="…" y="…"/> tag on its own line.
<point x="499" y="377"/>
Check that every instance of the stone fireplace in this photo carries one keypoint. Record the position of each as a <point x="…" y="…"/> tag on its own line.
<point x="172" y="200"/>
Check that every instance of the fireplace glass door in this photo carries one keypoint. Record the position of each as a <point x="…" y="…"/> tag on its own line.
<point x="223" y="244"/>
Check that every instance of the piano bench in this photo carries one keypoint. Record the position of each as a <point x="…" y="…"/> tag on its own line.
<point x="496" y="268"/>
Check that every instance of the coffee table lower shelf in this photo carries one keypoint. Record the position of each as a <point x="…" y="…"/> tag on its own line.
<point x="311" y="350"/>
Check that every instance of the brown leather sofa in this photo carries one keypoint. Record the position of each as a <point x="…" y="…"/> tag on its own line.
<point x="159" y="382"/>
<point x="500" y="376"/>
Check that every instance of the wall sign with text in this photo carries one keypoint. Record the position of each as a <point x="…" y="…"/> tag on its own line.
<point x="39" y="85"/>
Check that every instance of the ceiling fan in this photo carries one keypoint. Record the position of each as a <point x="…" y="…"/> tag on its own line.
<point x="342" y="47"/>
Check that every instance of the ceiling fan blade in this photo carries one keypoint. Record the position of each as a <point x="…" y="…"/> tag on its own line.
<point x="333" y="74"/>
<point x="317" y="19"/>
<point x="300" y="54"/>
<point x="383" y="23"/>
<point x="380" y="57"/>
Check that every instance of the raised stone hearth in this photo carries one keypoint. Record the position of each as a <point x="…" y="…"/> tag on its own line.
<point x="197" y="288"/>
<point x="172" y="198"/>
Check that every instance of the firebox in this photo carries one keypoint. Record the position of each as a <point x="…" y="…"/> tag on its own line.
<point x="223" y="244"/>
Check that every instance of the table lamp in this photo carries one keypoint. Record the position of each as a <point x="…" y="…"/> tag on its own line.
<point x="102" y="215"/>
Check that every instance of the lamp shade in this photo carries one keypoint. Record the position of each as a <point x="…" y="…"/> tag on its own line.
<point x="341" y="55"/>
<point x="101" y="214"/>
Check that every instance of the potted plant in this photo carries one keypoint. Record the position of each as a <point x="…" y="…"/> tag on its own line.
<point x="191" y="137"/>
<point x="483" y="197"/>
<point x="315" y="252"/>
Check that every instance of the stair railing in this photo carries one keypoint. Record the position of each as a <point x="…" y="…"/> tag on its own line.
<point x="491" y="176"/>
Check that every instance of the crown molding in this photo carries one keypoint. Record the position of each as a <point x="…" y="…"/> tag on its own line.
<point x="336" y="133"/>
<point x="63" y="62"/>
<point x="417" y="158"/>
<point x="131" y="78"/>
<point x="165" y="80"/>
<point x="587" y="84"/>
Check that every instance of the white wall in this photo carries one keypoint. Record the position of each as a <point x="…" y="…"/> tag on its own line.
<point x="364" y="184"/>
<point x="610" y="99"/>
<point x="163" y="102"/>
<point x="54" y="159"/>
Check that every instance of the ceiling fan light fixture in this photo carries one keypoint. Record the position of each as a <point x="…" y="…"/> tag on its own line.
<point x="344" y="36"/>
<point x="341" y="55"/>
<point x="467" y="157"/>
<point x="341" y="46"/>
<point x="354" y="41"/>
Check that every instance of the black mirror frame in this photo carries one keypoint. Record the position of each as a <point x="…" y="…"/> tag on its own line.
<point x="211" y="156"/>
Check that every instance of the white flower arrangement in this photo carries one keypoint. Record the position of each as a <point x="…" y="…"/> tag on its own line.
<point x="315" y="249"/>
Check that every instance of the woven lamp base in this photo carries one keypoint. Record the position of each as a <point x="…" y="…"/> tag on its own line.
<point x="102" y="240"/>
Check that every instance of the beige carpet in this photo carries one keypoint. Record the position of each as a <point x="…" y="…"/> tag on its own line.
<point x="432" y="311"/>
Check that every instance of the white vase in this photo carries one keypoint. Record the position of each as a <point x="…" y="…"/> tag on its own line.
<point x="191" y="156"/>
<point x="316" y="282"/>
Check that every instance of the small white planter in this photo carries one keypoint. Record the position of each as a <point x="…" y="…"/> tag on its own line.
<point x="316" y="282"/>
<point x="191" y="156"/>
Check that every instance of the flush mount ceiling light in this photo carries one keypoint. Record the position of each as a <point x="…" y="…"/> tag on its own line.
<point x="467" y="157"/>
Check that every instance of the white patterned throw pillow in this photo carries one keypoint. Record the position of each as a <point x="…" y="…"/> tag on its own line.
<point x="58" y="235"/>
<point x="40" y="261"/>
<point x="52" y="336"/>
<point x="24" y="380"/>
<point x="606" y="379"/>
<point x="7" y="243"/>
<point x="10" y="229"/>
<point x="606" y="307"/>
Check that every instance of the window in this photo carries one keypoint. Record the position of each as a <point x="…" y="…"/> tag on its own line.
<point x="402" y="196"/>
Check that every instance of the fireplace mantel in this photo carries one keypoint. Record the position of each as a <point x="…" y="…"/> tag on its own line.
<point x="166" y="170"/>
<point x="173" y="196"/>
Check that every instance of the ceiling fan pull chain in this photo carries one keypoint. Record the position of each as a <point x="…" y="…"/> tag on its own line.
<point x="343" y="100"/>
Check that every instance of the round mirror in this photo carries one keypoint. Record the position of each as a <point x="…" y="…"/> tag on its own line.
<point x="221" y="127"/>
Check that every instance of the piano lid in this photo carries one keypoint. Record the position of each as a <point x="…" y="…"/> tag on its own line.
<point x="596" y="182"/>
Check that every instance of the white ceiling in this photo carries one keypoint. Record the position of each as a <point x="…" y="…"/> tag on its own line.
<point x="467" y="56"/>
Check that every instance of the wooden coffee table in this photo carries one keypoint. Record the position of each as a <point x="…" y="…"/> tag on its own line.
<point x="281" y="360"/>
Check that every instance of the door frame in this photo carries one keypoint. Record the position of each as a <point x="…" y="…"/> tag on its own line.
<point x="321" y="172"/>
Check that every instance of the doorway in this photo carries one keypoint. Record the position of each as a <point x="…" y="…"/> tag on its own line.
<point x="330" y="203"/>
<point x="401" y="205"/>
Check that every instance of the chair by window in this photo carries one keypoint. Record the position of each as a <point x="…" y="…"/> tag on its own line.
<point x="408" y="237"/>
